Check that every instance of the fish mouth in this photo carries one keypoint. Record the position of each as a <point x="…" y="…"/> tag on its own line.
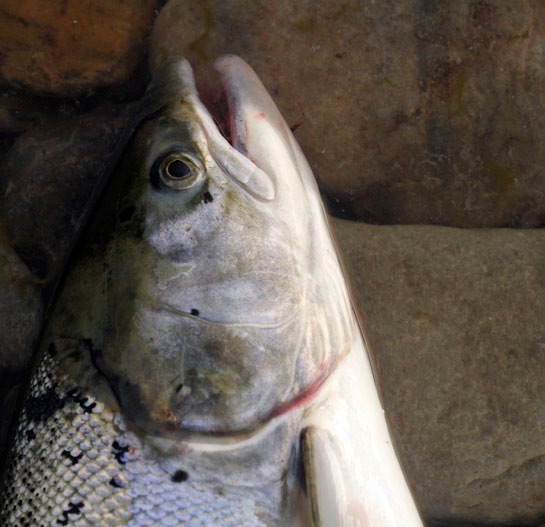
<point x="247" y="136"/>
<point x="244" y="126"/>
<point x="240" y="94"/>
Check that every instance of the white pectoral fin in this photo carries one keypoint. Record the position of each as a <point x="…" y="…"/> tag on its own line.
<point x="353" y="477"/>
<point x="329" y="490"/>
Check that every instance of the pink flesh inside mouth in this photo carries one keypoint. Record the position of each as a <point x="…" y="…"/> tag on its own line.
<point x="216" y="101"/>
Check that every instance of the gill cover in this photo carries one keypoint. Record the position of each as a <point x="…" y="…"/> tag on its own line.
<point x="205" y="287"/>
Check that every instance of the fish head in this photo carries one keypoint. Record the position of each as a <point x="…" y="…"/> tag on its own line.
<point x="222" y="303"/>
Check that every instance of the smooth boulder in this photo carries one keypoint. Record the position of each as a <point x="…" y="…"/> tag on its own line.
<point x="455" y="319"/>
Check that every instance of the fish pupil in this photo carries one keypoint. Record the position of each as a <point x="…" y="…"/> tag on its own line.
<point x="178" y="169"/>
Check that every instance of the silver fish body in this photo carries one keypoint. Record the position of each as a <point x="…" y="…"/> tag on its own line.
<point x="202" y="364"/>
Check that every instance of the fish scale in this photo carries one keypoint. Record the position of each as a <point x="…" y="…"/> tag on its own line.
<point x="74" y="467"/>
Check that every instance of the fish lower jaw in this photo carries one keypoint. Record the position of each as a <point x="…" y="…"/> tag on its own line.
<point x="222" y="443"/>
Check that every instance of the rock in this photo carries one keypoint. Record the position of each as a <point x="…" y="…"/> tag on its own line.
<point x="70" y="47"/>
<point x="409" y="111"/>
<point x="20" y="315"/>
<point x="20" y="309"/>
<point x="50" y="180"/>
<point x="455" y="318"/>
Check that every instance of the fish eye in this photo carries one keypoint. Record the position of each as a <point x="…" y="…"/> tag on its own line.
<point x="176" y="170"/>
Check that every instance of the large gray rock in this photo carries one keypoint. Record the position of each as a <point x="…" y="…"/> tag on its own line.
<point x="411" y="111"/>
<point x="20" y="315"/>
<point x="20" y="308"/>
<point x="455" y="318"/>
<point x="52" y="174"/>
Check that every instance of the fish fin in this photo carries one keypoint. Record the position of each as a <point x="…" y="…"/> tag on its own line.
<point x="353" y="476"/>
<point x="331" y="496"/>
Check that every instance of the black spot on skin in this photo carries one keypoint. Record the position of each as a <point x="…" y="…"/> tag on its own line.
<point x="207" y="197"/>
<point x="86" y="405"/>
<point x="73" y="459"/>
<point x="30" y="435"/>
<point x="40" y="409"/>
<point x="179" y="476"/>
<point x="73" y="508"/>
<point x="89" y="408"/>
<point x="116" y="483"/>
<point x="120" y="452"/>
<point x="195" y="312"/>
<point x="75" y="395"/>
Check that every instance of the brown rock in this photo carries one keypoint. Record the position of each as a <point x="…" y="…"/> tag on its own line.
<point x="456" y="321"/>
<point x="410" y="111"/>
<point x="69" y="47"/>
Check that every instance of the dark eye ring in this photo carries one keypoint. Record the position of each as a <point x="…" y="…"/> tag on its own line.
<point x="176" y="170"/>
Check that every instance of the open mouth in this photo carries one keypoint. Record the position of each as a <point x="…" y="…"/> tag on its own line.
<point x="215" y="101"/>
<point x="223" y="100"/>
<point x="242" y="125"/>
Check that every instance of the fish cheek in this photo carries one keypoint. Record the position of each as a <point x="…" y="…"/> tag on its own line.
<point x="235" y="377"/>
<point x="215" y="372"/>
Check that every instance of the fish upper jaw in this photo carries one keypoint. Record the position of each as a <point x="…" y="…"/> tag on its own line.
<point x="234" y="159"/>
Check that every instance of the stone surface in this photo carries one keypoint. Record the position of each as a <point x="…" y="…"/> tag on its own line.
<point x="410" y="111"/>
<point x="49" y="178"/>
<point x="20" y="308"/>
<point x="69" y="47"/>
<point x="51" y="175"/>
<point x="455" y="318"/>
<point x="20" y="315"/>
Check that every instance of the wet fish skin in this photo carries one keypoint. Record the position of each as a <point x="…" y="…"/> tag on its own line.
<point x="203" y="343"/>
